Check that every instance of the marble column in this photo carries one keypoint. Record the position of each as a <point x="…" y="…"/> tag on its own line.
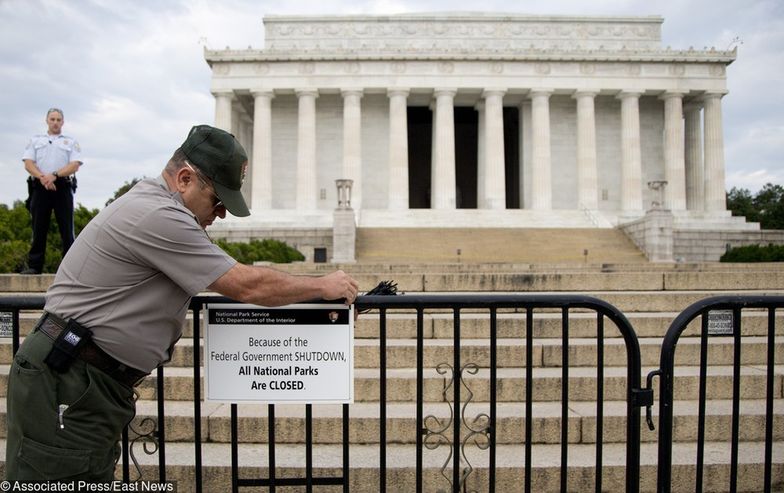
<point x="480" y="153"/>
<point x="587" y="175"/>
<point x="715" y="193"/>
<point x="695" y="180"/>
<point x="223" y="111"/>
<point x="234" y="129"/>
<point x="674" y="148"/>
<point x="525" y="136"/>
<point x="245" y="137"/>
<point x="352" y="143"/>
<point x="398" y="149"/>
<point x="494" y="163"/>
<point x="442" y="181"/>
<point x="541" y="173"/>
<point x="631" y="158"/>
<point x="307" y="185"/>
<point x="261" y="164"/>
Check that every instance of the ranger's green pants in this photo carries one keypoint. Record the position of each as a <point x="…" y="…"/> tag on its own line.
<point x="79" y="443"/>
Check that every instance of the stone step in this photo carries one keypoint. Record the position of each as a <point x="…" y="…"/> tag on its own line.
<point x="548" y="242"/>
<point x="401" y="426"/>
<point x="434" y="221"/>
<point x="395" y="268"/>
<point x="511" y="279"/>
<point x="548" y="325"/>
<point x="547" y="384"/>
<point x="475" y="324"/>
<point x="511" y="353"/>
<point x="364" y="464"/>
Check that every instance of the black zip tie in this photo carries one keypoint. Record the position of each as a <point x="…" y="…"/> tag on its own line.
<point x="384" y="288"/>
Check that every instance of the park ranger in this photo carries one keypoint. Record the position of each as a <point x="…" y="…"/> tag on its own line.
<point x="118" y="304"/>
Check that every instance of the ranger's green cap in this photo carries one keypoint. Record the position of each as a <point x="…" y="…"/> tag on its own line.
<point x="220" y="157"/>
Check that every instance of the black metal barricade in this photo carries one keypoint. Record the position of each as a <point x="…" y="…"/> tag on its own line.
<point x="736" y="305"/>
<point x="429" y="429"/>
<point x="491" y="304"/>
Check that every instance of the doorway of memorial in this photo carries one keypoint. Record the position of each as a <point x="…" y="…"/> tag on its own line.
<point x="420" y="146"/>
<point x="420" y="138"/>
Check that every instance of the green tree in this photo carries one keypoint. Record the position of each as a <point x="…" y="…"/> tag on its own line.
<point x="766" y="207"/>
<point x="770" y="203"/>
<point x="121" y="191"/>
<point x="15" y="234"/>
<point x="16" y="231"/>
<point x="741" y="203"/>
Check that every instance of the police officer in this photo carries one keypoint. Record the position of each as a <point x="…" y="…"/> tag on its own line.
<point x="51" y="159"/>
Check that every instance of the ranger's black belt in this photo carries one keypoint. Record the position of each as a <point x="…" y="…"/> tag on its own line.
<point x="51" y="325"/>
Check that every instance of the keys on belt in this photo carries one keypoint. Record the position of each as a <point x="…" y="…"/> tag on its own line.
<point x="52" y="325"/>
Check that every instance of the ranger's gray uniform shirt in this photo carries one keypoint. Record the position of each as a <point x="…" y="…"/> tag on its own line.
<point x="132" y="271"/>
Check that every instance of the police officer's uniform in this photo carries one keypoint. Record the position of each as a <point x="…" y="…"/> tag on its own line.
<point x="50" y="153"/>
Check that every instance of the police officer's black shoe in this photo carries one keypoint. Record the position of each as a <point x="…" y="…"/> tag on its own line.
<point x="29" y="271"/>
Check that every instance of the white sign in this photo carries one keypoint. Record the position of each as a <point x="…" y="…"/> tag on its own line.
<point x="294" y="354"/>
<point x="6" y="324"/>
<point x="720" y="323"/>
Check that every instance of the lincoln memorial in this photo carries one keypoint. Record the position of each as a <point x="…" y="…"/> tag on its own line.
<point x="474" y="120"/>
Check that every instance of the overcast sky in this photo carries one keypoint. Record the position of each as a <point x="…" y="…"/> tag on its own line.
<point x="132" y="80"/>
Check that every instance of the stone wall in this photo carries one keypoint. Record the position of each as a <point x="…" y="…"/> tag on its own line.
<point x="693" y="245"/>
<point x="655" y="236"/>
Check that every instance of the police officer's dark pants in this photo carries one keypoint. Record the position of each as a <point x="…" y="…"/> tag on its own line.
<point x="80" y="446"/>
<point x="42" y="203"/>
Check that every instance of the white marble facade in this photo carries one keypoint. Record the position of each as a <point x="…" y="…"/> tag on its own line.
<point x="599" y="109"/>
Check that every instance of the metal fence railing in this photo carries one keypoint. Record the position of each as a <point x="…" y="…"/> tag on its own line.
<point x="455" y="433"/>
<point x="531" y="305"/>
<point x="732" y="308"/>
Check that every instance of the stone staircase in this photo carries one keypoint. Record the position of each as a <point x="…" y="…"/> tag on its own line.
<point x="473" y="245"/>
<point x="650" y="295"/>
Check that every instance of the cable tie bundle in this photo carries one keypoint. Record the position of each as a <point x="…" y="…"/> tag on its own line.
<point x="384" y="288"/>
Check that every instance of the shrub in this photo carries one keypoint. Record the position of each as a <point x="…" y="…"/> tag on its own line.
<point x="755" y="253"/>
<point x="13" y="255"/>
<point x="16" y="231"/>
<point x="261" y="251"/>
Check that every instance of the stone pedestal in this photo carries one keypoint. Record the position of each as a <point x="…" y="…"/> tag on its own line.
<point x="658" y="235"/>
<point x="344" y="226"/>
<point x="344" y="236"/>
<point x="653" y="234"/>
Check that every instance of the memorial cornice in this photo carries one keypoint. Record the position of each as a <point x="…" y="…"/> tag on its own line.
<point x="463" y="36"/>
<point x="661" y="56"/>
<point x="469" y="30"/>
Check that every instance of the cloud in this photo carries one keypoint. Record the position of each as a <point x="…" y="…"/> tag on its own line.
<point x="132" y="79"/>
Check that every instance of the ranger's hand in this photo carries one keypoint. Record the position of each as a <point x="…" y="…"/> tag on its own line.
<point x="339" y="285"/>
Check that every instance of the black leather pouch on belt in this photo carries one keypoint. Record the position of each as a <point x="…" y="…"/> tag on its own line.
<point x="67" y="346"/>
